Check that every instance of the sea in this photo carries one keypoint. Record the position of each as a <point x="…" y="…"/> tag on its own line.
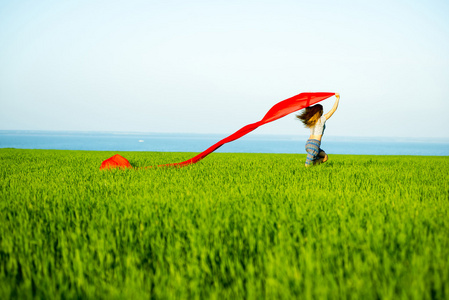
<point x="187" y="142"/>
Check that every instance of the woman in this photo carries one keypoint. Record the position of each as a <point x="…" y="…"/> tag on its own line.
<point x="313" y="118"/>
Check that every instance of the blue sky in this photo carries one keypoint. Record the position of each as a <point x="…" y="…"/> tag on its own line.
<point x="215" y="66"/>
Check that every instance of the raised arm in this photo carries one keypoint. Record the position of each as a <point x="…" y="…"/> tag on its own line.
<point x="334" y="108"/>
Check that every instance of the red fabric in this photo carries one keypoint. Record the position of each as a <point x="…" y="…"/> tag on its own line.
<point x="117" y="161"/>
<point x="278" y="111"/>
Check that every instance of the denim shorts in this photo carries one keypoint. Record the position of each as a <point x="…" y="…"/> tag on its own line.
<point x="313" y="149"/>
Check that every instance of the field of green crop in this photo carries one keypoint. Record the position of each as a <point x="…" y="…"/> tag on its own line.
<point x="253" y="226"/>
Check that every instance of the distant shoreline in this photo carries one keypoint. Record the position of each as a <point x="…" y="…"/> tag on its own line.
<point x="251" y="143"/>
<point x="252" y="135"/>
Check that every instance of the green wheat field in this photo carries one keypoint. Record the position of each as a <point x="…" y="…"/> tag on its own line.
<point x="233" y="226"/>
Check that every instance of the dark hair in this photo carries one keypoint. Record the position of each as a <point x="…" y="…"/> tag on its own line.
<point x="311" y="115"/>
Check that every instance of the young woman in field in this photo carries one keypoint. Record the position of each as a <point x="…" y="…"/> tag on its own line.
<point x="313" y="118"/>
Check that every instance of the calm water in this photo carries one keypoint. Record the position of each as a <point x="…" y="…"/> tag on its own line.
<point x="252" y="143"/>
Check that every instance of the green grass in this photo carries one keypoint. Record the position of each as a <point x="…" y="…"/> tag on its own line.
<point x="248" y="226"/>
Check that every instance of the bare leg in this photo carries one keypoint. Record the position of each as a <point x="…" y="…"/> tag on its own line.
<point x="322" y="158"/>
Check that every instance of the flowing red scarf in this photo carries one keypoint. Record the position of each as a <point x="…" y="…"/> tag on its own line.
<point x="278" y="111"/>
